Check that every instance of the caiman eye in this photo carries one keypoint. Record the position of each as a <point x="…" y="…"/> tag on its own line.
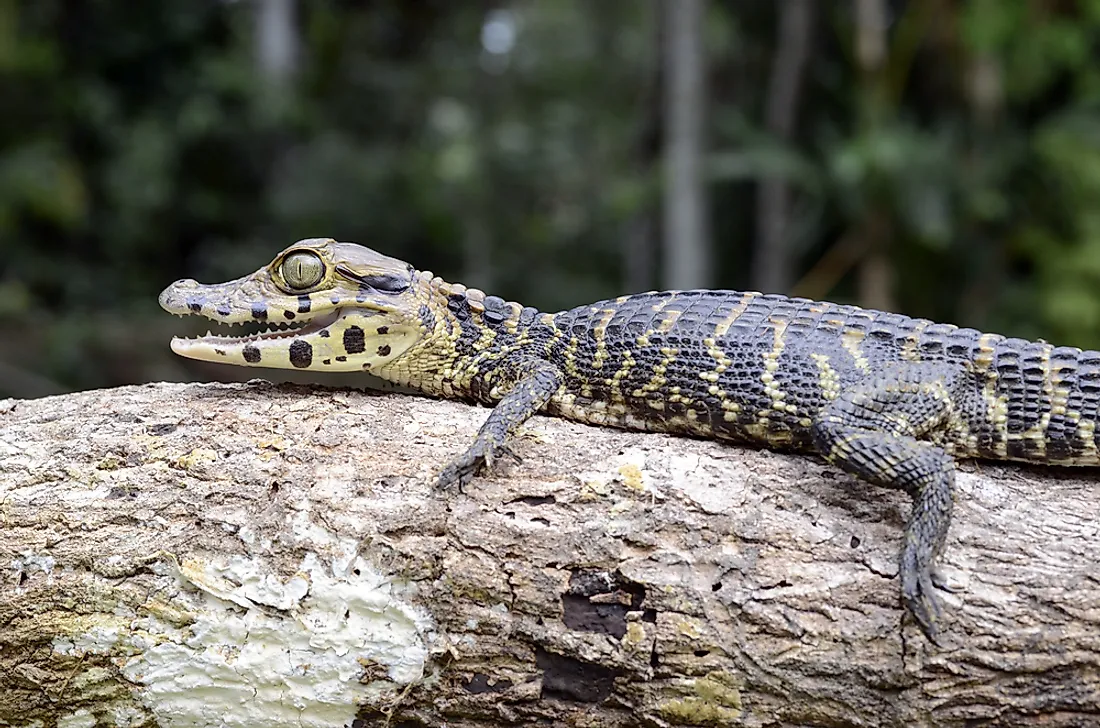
<point x="302" y="269"/>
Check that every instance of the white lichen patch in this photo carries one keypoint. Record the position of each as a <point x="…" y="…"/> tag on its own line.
<point x="99" y="640"/>
<point x="628" y="468"/>
<point x="125" y="716"/>
<point x="690" y="476"/>
<point x="30" y="562"/>
<point x="273" y="652"/>
<point x="78" y="719"/>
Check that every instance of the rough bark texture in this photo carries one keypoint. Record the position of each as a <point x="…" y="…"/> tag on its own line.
<point x="234" y="555"/>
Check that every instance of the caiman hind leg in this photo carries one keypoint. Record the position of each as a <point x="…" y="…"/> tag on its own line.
<point x="526" y="390"/>
<point x="886" y="431"/>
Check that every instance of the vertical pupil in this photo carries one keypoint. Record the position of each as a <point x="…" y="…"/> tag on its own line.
<point x="299" y="273"/>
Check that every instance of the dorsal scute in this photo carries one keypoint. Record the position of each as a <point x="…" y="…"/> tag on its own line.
<point x="483" y="305"/>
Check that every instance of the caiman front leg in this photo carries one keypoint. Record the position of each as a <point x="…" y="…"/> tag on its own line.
<point x="877" y="431"/>
<point x="526" y="389"/>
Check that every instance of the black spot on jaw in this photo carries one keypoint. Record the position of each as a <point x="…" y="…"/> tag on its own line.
<point x="224" y="310"/>
<point x="301" y="353"/>
<point x="384" y="350"/>
<point x="219" y="352"/>
<point x="259" y="311"/>
<point x="304" y="304"/>
<point x="383" y="330"/>
<point x="326" y="362"/>
<point x="194" y="306"/>
<point x="288" y="315"/>
<point x="251" y="354"/>
<point x="324" y="333"/>
<point x="354" y="341"/>
<point x="341" y="358"/>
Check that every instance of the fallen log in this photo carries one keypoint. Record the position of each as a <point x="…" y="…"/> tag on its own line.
<point x="241" y="555"/>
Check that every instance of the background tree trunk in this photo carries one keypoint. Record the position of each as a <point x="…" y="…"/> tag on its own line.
<point x="241" y="555"/>
<point x="277" y="42"/>
<point x="687" y="260"/>
<point x="771" y="263"/>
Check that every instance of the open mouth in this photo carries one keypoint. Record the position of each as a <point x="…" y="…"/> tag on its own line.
<point x="257" y="331"/>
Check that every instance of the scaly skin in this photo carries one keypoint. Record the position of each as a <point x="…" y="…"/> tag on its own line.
<point x="890" y="399"/>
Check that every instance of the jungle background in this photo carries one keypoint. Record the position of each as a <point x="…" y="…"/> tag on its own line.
<point x="940" y="158"/>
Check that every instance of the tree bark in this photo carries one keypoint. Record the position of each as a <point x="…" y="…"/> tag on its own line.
<point x="241" y="555"/>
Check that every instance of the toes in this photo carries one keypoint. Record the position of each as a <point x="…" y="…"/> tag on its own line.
<point x="458" y="473"/>
<point x="510" y="454"/>
<point x="942" y="582"/>
<point x="477" y="459"/>
<point x="447" y="478"/>
<point x="924" y="612"/>
<point x="921" y="602"/>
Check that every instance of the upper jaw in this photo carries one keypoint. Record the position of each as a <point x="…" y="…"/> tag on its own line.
<point x="233" y="304"/>
<point x="250" y="298"/>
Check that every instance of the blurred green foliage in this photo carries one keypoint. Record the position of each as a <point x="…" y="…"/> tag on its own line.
<point x="142" y="142"/>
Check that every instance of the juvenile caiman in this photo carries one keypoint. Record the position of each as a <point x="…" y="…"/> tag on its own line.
<point x="890" y="399"/>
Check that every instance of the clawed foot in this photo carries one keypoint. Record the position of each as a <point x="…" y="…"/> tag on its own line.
<point x="480" y="457"/>
<point x="918" y="592"/>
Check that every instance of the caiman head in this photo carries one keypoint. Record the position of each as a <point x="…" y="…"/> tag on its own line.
<point x="321" y="305"/>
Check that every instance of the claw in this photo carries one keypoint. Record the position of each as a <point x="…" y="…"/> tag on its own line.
<point x="477" y="459"/>
<point x="926" y="613"/>
<point x="510" y="453"/>
<point x="941" y="582"/>
<point x="918" y="594"/>
<point x="458" y="473"/>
